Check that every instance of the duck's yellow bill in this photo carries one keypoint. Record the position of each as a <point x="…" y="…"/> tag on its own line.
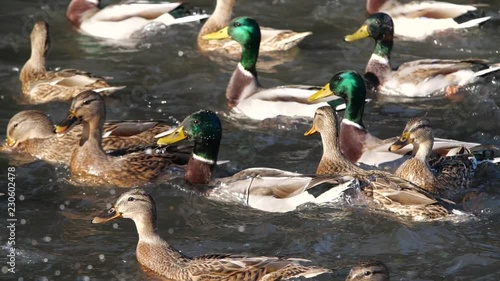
<point x="360" y="34"/>
<point x="65" y="125"/>
<point x="311" y="131"/>
<point x="323" y="93"/>
<point x="218" y="35"/>
<point x="175" y="136"/>
<point x="400" y="143"/>
<point x="109" y="215"/>
<point x="10" y="141"/>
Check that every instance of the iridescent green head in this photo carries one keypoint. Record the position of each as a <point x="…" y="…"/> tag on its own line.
<point x="378" y="26"/>
<point x="350" y="86"/>
<point x="245" y="31"/>
<point x="203" y="128"/>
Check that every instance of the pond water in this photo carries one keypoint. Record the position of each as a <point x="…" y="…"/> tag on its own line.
<point x="168" y="78"/>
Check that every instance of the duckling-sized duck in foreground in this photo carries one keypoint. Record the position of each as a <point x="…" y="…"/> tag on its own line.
<point x="356" y="142"/>
<point x="418" y="20"/>
<point x="452" y="174"/>
<point x="370" y="270"/>
<point x="156" y="255"/>
<point x="272" y="39"/>
<point x="266" y="189"/>
<point x="419" y="78"/>
<point x="244" y="92"/>
<point x="32" y="132"/>
<point x="382" y="190"/>
<point x="40" y="86"/>
<point x="125" y="20"/>
<point x="90" y="165"/>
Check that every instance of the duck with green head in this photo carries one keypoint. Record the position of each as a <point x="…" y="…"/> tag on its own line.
<point x="244" y="92"/>
<point x="419" y="78"/>
<point x="356" y="142"/>
<point x="266" y="189"/>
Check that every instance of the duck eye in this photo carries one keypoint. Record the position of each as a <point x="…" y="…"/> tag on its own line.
<point x="403" y="139"/>
<point x="196" y="122"/>
<point x="111" y="210"/>
<point x="130" y="199"/>
<point x="86" y="102"/>
<point x="15" y="125"/>
<point x="237" y="24"/>
<point x="368" y="273"/>
<point x="338" y="78"/>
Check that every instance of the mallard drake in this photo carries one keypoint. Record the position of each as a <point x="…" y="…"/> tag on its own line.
<point x="419" y="78"/>
<point x="39" y="85"/>
<point x="370" y="270"/>
<point x="418" y="20"/>
<point x="452" y="174"/>
<point x="244" y="92"/>
<point x="382" y="190"/>
<point x="272" y="39"/>
<point x="90" y="165"/>
<point x="266" y="189"/>
<point x="156" y="255"/>
<point x="32" y="132"/>
<point x="125" y="20"/>
<point x="356" y="142"/>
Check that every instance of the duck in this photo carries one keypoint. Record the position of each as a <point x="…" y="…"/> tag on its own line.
<point x="272" y="39"/>
<point x="32" y="132"/>
<point x="156" y="255"/>
<point x="419" y="20"/>
<point x="383" y="191"/>
<point x="450" y="177"/>
<point x="244" y="93"/>
<point x="266" y="189"/>
<point x="357" y="144"/>
<point x="39" y="85"/>
<point x="419" y="78"/>
<point x="89" y="163"/>
<point x="128" y="19"/>
<point x="369" y="270"/>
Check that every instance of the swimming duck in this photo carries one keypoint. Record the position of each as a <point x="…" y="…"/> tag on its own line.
<point x="419" y="78"/>
<point x="382" y="190"/>
<point x="90" y="165"/>
<point x="245" y="94"/>
<point x="370" y="270"/>
<point x="39" y="85"/>
<point x="125" y="20"/>
<point x="452" y="174"/>
<point x="272" y="39"/>
<point x="418" y="20"/>
<point x="32" y="132"/>
<point x="356" y="142"/>
<point x="267" y="189"/>
<point x="156" y="255"/>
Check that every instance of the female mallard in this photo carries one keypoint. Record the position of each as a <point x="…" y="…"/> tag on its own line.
<point x="244" y="92"/>
<point x="32" y="132"/>
<point x="356" y="143"/>
<point x="453" y="174"/>
<point x="382" y="190"/>
<point x="420" y="78"/>
<point x="272" y="39"/>
<point x="156" y="255"/>
<point x="370" y="270"/>
<point x="418" y="20"/>
<point x="266" y="189"/>
<point x="125" y="20"/>
<point x="90" y="165"/>
<point x="39" y="85"/>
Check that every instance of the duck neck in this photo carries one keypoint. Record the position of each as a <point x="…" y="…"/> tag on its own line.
<point x="424" y="150"/>
<point x="219" y="18"/>
<point x="383" y="47"/>
<point x="146" y="228"/>
<point x="249" y="55"/>
<point x="201" y="165"/>
<point x="355" y="107"/>
<point x="92" y="135"/>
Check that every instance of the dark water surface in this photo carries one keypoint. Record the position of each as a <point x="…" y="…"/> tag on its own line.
<point x="167" y="78"/>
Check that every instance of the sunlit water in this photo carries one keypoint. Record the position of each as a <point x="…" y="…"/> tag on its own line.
<point x="167" y="78"/>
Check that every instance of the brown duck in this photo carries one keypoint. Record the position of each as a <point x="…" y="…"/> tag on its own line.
<point x="382" y="190"/>
<point x="90" y="165"/>
<point x="156" y="255"/>
<point x="40" y="86"/>
<point x="32" y="132"/>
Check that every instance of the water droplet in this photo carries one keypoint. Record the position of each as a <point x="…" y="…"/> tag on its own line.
<point x="180" y="53"/>
<point x="23" y="221"/>
<point x="62" y="207"/>
<point x="45" y="260"/>
<point x="47" y="239"/>
<point x="241" y="228"/>
<point x="21" y="197"/>
<point x="101" y="257"/>
<point x="89" y="266"/>
<point x="170" y="231"/>
<point x="115" y="225"/>
<point x="57" y="273"/>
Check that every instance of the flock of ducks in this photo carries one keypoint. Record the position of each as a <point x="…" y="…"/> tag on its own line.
<point x="420" y="182"/>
